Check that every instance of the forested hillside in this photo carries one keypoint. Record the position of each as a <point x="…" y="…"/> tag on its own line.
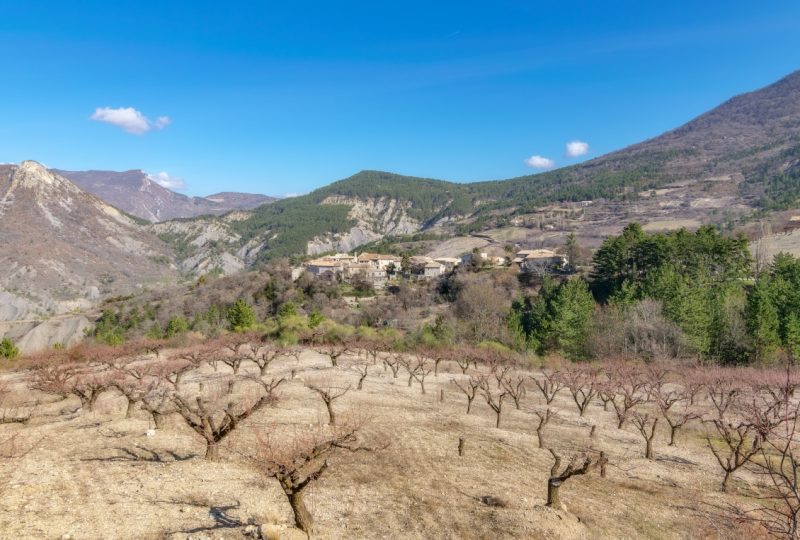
<point x="752" y="142"/>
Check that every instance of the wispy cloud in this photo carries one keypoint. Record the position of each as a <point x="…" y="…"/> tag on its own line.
<point x="129" y="119"/>
<point x="167" y="181"/>
<point x="577" y="148"/>
<point x="539" y="162"/>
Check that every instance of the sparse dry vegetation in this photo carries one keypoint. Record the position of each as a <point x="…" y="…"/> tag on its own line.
<point x="257" y="425"/>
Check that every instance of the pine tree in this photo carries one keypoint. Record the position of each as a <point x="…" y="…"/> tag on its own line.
<point x="570" y="313"/>
<point x="762" y="320"/>
<point x="241" y="316"/>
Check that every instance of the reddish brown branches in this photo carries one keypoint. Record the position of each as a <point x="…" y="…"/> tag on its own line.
<point x="582" y="384"/>
<point x="628" y="384"/>
<point x="216" y="414"/>
<point x="550" y="384"/>
<point x="296" y="461"/>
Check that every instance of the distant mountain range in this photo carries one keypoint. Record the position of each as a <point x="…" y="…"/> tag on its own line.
<point x="67" y="246"/>
<point x="65" y="250"/>
<point x="137" y="194"/>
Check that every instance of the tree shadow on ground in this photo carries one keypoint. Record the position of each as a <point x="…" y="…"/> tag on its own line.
<point x="143" y="454"/>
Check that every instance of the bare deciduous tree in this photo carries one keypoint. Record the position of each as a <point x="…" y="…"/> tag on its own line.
<point x="131" y="388"/>
<point x="779" y="464"/>
<point x="675" y="408"/>
<point x="544" y="419"/>
<point x="215" y="415"/>
<point x="513" y="384"/>
<point x="628" y="384"/>
<point x="329" y="393"/>
<point x="470" y="388"/>
<point x="550" y="384"/>
<point x="157" y="400"/>
<point x="334" y="351"/>
<point x="494" y="399"/>
<point x="735" y="444"/>
<point x="88" y="387"/>
<point x="53" y="378"/>
<point x="646" y="425"/>
<point x="723" y="387"/>
<point x="297" y="461"/>
<point x="394" y="361"/>
<point x="418" y="368"/>
<point x="361" y="367"/>
<point x="233" y="347"/>
<point x="578" y="465"/>
<point x="582" y="384"/>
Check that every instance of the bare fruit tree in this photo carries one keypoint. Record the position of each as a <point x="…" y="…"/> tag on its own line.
<point x="494" y="399"/>
<point x="71" y="379"/>
<point x="394" y="362"/>
<point x="262" y="355"/>
<point x="582" y="384"/>
<point x="470" y="388"/>
<point x="329" y="393"/>
<point x="779" y="465"/>
<point x="549" y="383"/>
<point x="418" y="368"/>
<point x="676" y="410"/>
<point x="334" y="351"/>
<point x="361" y="366"/>
<point x="157" y="400"/>
<point x="513" y="384"/>
<point x="464" y="357"/>
<point x="297" y="460"/>
<point x="723" y="387"/>
<point x="544" y="419"/>
<point x="130" y="387"/>
<point x="628" y="384"/>
<point x="646" y="425"/>
<point x="215" y="414"/>
<point x="233" y="349"/>
<point x="578" y="465"/>
<point x="734" y="443"/>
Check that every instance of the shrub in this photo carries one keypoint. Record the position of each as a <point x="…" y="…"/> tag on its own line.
<point x="8" y="349"/>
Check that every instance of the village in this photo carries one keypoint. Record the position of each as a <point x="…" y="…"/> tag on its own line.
<point x="379" y="268"/>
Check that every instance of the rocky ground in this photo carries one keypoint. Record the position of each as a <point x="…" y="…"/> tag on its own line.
<point x="100" y="476"/>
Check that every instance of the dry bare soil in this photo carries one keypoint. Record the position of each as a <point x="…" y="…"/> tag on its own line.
<point x="100" y="476"/>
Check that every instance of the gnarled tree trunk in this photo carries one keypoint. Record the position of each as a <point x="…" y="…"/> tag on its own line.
<point x="302" y="517"/>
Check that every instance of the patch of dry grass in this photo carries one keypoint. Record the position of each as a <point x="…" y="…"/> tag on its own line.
<point x="100" y="476"/>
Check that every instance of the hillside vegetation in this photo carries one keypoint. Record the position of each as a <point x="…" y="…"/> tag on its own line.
<point x="752" y="140"/>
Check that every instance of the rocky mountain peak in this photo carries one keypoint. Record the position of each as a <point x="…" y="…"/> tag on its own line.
<point x="33" y="175"/>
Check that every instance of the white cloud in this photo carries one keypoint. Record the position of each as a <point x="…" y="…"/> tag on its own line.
<point x="577" y="148"/>
<point x="162" y="122"/>
<point x="539" y="162"/>
<point x="129" y="119"/>
<point x="167" y="181"/>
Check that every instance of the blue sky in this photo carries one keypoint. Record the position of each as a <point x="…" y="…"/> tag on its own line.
<point x="283" y="97"/>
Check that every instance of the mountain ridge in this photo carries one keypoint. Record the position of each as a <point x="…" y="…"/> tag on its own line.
<point x="738" y="160"/>
<point x="65" y="249"/>
<point x="134" y="192"/>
